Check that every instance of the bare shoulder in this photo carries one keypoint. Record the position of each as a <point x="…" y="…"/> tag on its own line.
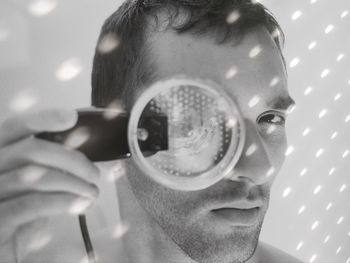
<point x="271" y="254"/>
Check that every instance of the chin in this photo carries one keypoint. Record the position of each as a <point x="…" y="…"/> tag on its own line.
<point x="206" y="244"/>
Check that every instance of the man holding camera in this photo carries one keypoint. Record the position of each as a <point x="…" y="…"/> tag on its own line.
<point x="236" y="44"/>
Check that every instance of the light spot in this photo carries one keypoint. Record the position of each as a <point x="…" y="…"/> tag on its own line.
<point x="315" y="225"/>
<point x="232" y="72"/>
<point x="255" y="51"/>
<point x="287" y="191"/>
<point x="232" y="122"/>
<point x="79" y="206"/>
<point x="329" y="206"/>
<point x="329" y="29"/>
<point x="120" y="230"/>
<point x="331" y="171"/>
<point x="289" y="151"/>
<point x="344" y="13"/>
<point x="313" y="1"/>
<point x="270" y="172"/>
<point x="340" y="57"/>
<point x="347" y="119"/>
<point x="337" y="97"/>
<point x="317" y="189"/>
<point x="325" y="73"/>
<point x="77" y="138"/>
<point x="142" y="134"/>
<point x="274" y="81"/>
<point x="301" y="209"/>
<point x="233" y="17"/>
<point x="40" y="242"/>
<point x="301" y="243"/>
<point x="334" y="135"/>
<point x="306" y="132"/>
<point x="342" y="188"/>
<point x="276" y="33"/>
<point x="108" y="43"/>
<point x="303" y="172"/>
<point x="338" y="250"/>
<point x="319" y="153"/>
<point x="345" y="154"/>
<point x="322" y="113"/>
<point x="85" y="259"/>
<point x="271" y="129"/>
<point x="294" y="62"/>
<point x="314" y="256"/>
<point x="291" y="109"/>
<point x="326" y="239"/>
<point x="297" y="14"/>
<point x="113" y="110"/>
<point x="24" y="100"/>
<point x="254" y="101"/>
<point x="111" y="114"/>
<point x="69" y="70"/>
<point x="312" y="45"/>
<point x="31" y="174"/>
<point x="41" y="7"/>
<point x="252" y="149"/>
<point x="340" y="220"/>
<point x="308" y="91"/>
<point x="117" y="171"/>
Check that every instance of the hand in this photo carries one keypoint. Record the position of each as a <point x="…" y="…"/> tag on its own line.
<point x="39" y="179"/>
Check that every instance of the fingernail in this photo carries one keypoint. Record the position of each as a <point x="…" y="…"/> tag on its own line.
<point x="80" y="205"/>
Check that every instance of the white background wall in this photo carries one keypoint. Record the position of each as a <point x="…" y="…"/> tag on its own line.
<point x="34" y="47"/>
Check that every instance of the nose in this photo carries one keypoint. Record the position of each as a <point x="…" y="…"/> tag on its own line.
<point x="254" y="163"/>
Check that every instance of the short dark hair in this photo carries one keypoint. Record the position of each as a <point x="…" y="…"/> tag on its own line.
<point x="117" y="73"/>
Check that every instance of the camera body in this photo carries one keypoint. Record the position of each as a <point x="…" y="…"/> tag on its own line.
<point x="101" y="134"/>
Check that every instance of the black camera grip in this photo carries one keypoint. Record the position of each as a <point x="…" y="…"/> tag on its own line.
<point x="107" y="137"/>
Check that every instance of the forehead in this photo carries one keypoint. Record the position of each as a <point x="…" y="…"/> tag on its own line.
<point x="253" y="67"/>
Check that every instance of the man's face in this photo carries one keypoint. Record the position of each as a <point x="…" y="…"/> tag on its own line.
<point x="188" y="218"/>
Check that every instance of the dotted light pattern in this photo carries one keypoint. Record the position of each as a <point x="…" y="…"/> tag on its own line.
<point x="311" y="190"/>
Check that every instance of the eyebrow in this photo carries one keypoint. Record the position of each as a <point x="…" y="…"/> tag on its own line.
<point x="281" y="103"/>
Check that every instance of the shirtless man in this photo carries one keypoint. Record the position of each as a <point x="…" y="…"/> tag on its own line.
<point x="234" y="43"/>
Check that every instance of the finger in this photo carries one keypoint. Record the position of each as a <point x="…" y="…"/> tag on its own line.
<point x="32" y="206"/>
<point x="38" y="178"/>
<point x="36" y="151"/>
<point x="24" y="125"/>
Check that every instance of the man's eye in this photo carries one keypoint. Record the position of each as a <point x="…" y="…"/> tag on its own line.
<point x="272" y="118"/>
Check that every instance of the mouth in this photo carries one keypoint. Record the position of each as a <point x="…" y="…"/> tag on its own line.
<point x="239" y="213"/>
<point x="238" y="217"/>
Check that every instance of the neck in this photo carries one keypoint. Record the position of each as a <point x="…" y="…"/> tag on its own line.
<point x="145" y="241"/>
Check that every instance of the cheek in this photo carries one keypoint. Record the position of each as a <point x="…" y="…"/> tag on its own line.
<point x="157" y="199"/>
<point x="276" y="145"/>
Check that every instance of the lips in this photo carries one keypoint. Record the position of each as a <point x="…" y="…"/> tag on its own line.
<point x="238" y="204"/>
<point x="240" y="212"/>
<point x="237" y="217"/>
